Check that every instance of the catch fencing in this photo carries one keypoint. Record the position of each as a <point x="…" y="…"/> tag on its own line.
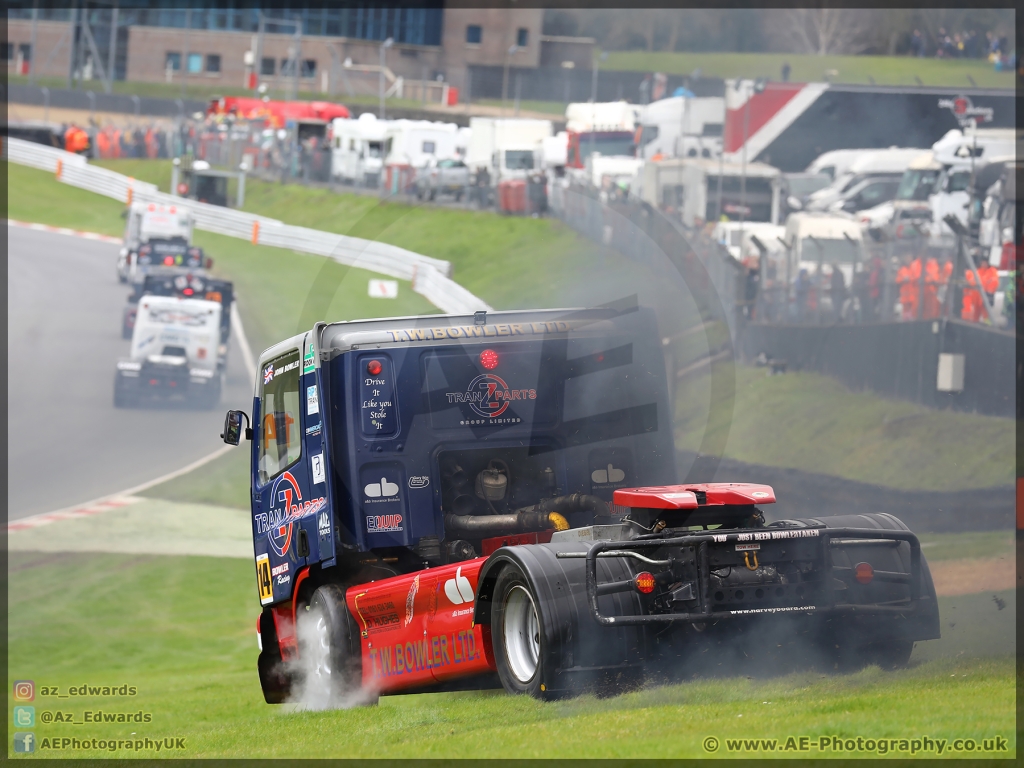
<point x="430" y="277"/>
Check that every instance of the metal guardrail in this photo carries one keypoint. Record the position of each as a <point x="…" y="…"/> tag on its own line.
<point x="430" y="277"/>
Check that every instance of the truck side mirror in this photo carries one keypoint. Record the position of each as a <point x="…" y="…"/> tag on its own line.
<point x="233" y="427"/>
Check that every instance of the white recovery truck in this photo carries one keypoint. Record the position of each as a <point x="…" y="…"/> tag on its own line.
<point x="150" y="222"/>
<point x="175" y="354"/>
<point x="506" y="148"/>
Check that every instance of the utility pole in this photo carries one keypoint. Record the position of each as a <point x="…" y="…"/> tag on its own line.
<point x="380" y="82"/>
<point x="72" y="52"/>
<point x="504" y="80"/>
<point x="297" y="58"/>
<point x="32" y="45"/>
<point x="258" y="62"/>
<point x="593" y="99"/>
<point x="112" y="49"/>
<point x="184" y="55"/>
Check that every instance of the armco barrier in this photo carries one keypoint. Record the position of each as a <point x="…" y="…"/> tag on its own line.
<point x="430" y="277"/>
<point x="900" y="360"/>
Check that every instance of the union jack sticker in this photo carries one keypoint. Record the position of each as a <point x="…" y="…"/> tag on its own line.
<point x="268" y="375"/>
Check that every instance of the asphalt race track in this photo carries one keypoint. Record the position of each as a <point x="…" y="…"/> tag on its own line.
<point x="66" y="442"/>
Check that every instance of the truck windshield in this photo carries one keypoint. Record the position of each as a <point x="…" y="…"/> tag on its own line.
<point x="917" y="185"/>
<point x="374" y="148"/>
<point x="608" y="143"/>
<point x="519" y="160"/>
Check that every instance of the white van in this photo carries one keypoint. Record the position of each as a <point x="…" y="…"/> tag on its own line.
<point x="415" y="142"/>
<point x="881" y="164"/>
<point x="818" y="240"/>
<point x="835" y="163"/>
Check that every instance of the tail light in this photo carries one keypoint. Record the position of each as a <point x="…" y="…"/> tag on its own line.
<point x="645" y="582"/>
<point x="374" y="367"/>
<point x="863" y="573"/>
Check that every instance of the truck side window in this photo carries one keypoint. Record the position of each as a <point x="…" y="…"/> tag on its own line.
<point x="279" y="430"/>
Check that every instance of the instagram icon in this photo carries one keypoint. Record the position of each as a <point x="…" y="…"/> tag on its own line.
<point x="24" y="690"/>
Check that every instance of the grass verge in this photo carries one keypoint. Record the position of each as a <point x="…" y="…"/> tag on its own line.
<point x="812" y="422"/>
<point x="180" y="629"/>
<point x="884" y="70"/>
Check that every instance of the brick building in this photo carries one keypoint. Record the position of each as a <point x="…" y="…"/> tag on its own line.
<point x="337" y="45"/>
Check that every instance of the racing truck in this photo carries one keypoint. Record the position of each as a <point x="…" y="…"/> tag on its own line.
<point x="175" y="354"/>
<point x="187" y="285"/>
<point x="152" y="223"/>
<point x="490" y="500"/>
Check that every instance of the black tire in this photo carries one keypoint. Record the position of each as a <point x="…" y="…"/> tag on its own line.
<point x="331" y="636"/>
<point x="275" y="679"/>
<point x="517" y="635"/>
<point x="210" y="397"/>
<point x="122" y="397"/>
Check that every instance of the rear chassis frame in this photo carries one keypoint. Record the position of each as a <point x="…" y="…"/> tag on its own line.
<point x="828" y="538"/>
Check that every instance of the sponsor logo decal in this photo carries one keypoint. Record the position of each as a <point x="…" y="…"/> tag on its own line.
<point x="323" y="524"/>
<point x="419" y="481"/>
<point x="309" y="360"/>
<point x="760" y="495"/>
<point x="489" y="396"/>
<point x="479" y="331"/>
<point x="609" y="475"/>
<point x="383" y="489"/>
<point x="313" y="430"/>
<point x="287" y="506"/>
<point x="458" y="589"/>
<point x="411" y="599"/>
<point x="284" y="579"/>
<point x="429" y="653"/>
<point x="383" y="523"/>
<point x="312" y="401"/>
<point x="277" y="570"/>
<point x="317" y="463"/>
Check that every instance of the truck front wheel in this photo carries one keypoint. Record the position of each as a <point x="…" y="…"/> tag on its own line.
<point x="330" y="650"/>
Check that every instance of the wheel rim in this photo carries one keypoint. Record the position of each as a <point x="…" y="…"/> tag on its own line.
<point x="321" y="649"/>
<point x="521" y="634"/>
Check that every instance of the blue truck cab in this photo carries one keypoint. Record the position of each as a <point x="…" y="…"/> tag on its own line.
<point x="367" y="435"/>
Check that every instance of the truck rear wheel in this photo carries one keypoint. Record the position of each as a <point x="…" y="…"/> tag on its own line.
<point x="330" y="637"/>
<point x="517" y="634"/>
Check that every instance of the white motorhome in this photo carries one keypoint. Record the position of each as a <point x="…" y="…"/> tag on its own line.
<point x="152" y="221"/>
<point x="689" y="189"/>
<point x="682" y="127"/>
<point x="507" y="148"/>
<point x="357" y="149"/>
<point x="175" y="353"/>
<point x="414" y="143"/>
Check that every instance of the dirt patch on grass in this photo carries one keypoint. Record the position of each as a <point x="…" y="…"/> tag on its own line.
<point x="968" y="576"/>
